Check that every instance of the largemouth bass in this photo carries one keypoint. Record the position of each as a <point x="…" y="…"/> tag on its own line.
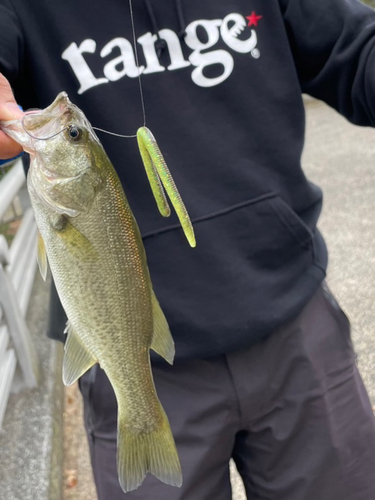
<point x="95" y="252"/>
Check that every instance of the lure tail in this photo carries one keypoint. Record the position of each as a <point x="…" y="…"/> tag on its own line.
<point x="160" y="178"/>
<point x="154" y="452"/>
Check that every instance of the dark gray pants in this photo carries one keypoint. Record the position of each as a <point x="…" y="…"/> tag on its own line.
<point x="291" y="411"/>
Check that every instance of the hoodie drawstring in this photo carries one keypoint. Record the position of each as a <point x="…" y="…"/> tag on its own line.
<point x="181" y="18"/>
<point x="161" y="44"/>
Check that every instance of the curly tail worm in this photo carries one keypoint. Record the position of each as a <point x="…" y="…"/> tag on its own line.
<point x="160" y="177"/>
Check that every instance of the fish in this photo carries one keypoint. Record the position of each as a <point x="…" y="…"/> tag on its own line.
<point x="89" y="238"/>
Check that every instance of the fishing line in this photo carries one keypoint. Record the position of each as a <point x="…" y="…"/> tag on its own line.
<point x="113" y="133"/>
<point x="40" y="138"/>
<point x="139" y="80"/>
<point x="97" y="128"/>
<point x="67" y="128"/>
<point x="137" y="62"/>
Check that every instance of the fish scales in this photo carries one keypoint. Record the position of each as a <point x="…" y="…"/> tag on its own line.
<point x="98" y="262"/>
<point x="85" y="282"/>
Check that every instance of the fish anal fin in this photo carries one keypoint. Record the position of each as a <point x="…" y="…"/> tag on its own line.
<point x="42" y="256"/>
<point x="77" y="359"/>
<point x="162" y="341"/>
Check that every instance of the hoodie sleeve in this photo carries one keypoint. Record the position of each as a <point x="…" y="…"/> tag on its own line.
<point x="333" y="45"/>
<point x="11" y="42"/>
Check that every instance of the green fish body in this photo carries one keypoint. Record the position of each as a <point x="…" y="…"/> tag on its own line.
<point x="96" y="255"/>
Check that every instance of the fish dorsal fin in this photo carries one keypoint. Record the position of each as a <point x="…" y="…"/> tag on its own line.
<point x="42" y="257"/>
<point x="162" y="341"/>
<point x="77" y="359"/>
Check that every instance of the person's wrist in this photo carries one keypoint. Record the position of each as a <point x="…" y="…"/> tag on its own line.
<point x="10" y="160"/>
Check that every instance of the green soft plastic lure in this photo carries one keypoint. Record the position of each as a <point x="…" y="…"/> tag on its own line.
<point x="161" y="179"/>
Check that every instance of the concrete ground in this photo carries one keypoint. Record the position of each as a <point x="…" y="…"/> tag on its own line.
<point x="78" y="480"/>
<point x="340" y="158"/>
<point x="31" y="451"/>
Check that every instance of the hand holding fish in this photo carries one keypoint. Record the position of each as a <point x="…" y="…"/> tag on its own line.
<point x="94" y="248"/>
<point x="8" y="111"/>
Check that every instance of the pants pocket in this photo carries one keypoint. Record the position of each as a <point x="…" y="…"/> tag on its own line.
<point x="335" y="307"/>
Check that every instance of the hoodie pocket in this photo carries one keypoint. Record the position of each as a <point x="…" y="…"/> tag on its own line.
<point x="252" y="269"/>
<point x="292" y="222"/>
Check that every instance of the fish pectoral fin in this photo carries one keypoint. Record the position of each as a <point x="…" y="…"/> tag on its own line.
<point x="76" y="243"/>
<point x="41" y="255"/>
<point x="140" y="453"/>
<point x="77" y="359"/>
<point x="162" y="341"/>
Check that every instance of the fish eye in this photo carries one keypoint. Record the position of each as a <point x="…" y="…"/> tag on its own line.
<point x="75" y="133"/>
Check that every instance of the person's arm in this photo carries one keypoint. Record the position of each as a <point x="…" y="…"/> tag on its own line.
<point x="333" y="44"/>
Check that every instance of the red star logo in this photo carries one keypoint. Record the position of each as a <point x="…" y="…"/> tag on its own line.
<point x="253" y="19"/>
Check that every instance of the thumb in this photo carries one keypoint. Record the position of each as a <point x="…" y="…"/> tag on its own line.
<point x="8" y="111"/>
<point x="8" y="106"/>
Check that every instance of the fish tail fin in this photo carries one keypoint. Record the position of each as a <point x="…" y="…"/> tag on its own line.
<point x="154" y="452"/>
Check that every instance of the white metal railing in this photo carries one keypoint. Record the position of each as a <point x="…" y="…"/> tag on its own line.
<point x="17" y="271"/>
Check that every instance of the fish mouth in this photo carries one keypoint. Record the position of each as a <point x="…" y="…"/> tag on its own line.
<point x="49" y="121"/>
<point x="41" y="124"/>
<point x="57" y="117"/>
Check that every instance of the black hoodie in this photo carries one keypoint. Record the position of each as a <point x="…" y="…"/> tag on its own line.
<point x="222" y="84"/>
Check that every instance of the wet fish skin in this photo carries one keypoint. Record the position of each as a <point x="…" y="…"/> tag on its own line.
<point x="98" y="262"/>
